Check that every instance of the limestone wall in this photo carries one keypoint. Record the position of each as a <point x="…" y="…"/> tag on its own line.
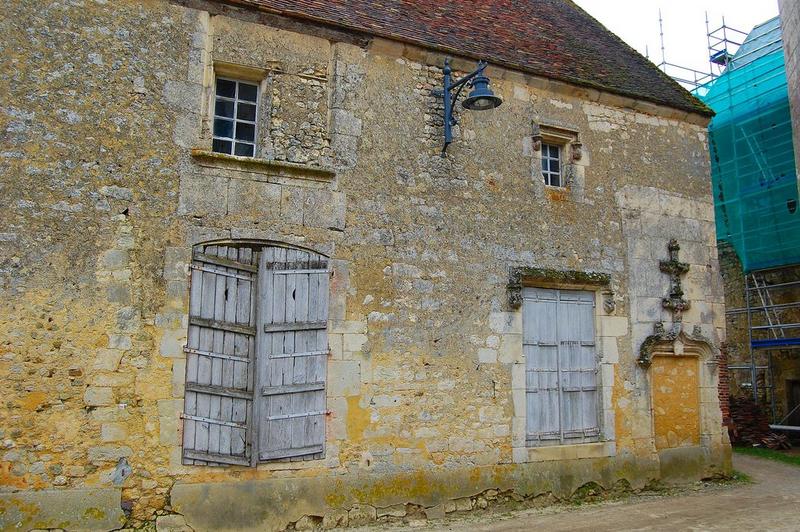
<point x="108" y="182"/>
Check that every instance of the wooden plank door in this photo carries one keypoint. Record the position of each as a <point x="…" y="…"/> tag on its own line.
<point x="561" y="366"/>
<point x="220" y="354"/>
<point x="292" y="354"/>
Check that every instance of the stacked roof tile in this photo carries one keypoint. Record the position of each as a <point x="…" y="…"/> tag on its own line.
<point x="549" y="38"/>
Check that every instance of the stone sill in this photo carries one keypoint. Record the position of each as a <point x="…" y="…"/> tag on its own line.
<point x="576" y="451"/>
<point x="262" y="166"/>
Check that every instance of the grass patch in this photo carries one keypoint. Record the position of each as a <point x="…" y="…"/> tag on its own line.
<point x="769" y="454"/>
<point x="740" y="476"/>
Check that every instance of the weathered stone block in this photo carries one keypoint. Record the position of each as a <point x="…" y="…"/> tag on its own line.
<point x="613" y="326"/>
<point x="352" y="343"/>
<point x="335" y="519"/>
<point x="506" y="322"/>
<point x="203" y="195"/>
<point x="71" y="509"/>
<point x="109" y="453"/>
<point x="435" y="512"/>
<point x="254" y="198"/>
<point x="119" y="341"/>
<point x="98" y="396"/>
<point x="107" y="359"/>
<point x="172" y="523"/>
<point x="115" y="259"/>
<point x="172" y="342"/>
<point x="344" y="378"/>
<point x="487" y="356"/>
<point x="361" y="514"/>
<point x="113" y="432"/>
<point x="510" y="349"/>
<point x="178" y="377"/>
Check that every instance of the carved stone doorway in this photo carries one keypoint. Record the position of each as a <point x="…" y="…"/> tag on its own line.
<point x="676" y="400"/>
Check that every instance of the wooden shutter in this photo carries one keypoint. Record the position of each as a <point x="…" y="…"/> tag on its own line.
<point x="540" y="345"/>
<point x="292" y="354"/>
<point x="220" y="352"/>
<point x="577" y="365"/>
<point x="561" y="366"/>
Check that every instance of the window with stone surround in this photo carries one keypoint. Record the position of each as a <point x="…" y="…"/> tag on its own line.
<point x="559" y="149"/>
<point x="235" y="117"/>
<point x="256" y="355"/>
<point x="561" y="366"/>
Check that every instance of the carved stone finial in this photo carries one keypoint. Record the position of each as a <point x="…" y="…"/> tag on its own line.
<point x="536" y="137"/>
<point x="514" y="288"/>
<point x="674" y="268"/>
<point x="609" y="305"/>
<point x="577" y="151"/>
<point x="660" y="334"/>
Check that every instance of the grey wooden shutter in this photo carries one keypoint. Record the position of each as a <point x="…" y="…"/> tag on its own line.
<point x="220" y="352"/>
<point x="561" y="366"/>
<point x="540" y="346"/>
<point x="292" y="357"/>
<point x="577" y="365"/>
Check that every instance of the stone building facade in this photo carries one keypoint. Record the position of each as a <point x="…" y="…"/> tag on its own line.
<point x="790" y="30"/>
<point x="440" y="274"/>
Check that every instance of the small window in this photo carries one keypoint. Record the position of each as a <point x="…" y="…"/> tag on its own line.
<point x="235" y="115"/>
<point x="551" y="165"/>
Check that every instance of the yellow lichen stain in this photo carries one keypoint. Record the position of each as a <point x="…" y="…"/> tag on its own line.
<point x="94" y="513"/>
<point x="556" y="194"/>
<point x="676" y="402"/>
<point x="33" y="401"/>
<point x="357" y="419"/>
<point x="8" y="479"/>
<point x="335" y="498"/>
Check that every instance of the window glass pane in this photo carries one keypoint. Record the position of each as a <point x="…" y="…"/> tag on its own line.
<point x="245" y="131"/>
<point x="246" y="111"/>
<point x="226" y="88"/>
<point x="245" y="150"/>
<point x="223" y="128"/>
<point x="554" y="165"/>
<point x="222" y="146"/>
<point x="224" y="108"/>
<point x="248" y="92"/>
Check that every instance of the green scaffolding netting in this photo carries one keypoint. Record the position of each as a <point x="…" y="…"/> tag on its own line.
<point x="752" y="157"/>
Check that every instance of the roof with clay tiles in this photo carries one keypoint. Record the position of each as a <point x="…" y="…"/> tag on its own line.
<point x="554" y="39"/>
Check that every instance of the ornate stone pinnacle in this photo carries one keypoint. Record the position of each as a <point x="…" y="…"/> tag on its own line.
<point x="674" y="268"/>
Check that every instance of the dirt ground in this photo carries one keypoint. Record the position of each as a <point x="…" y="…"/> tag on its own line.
<point x="770" y="502"/>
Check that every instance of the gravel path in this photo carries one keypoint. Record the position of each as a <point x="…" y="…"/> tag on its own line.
<point x="770" y="502"/>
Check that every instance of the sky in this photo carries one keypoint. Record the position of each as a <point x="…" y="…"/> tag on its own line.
<point x="685" y="43"/>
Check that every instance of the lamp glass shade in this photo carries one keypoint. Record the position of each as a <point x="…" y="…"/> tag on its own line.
<point x="481" y="98"/>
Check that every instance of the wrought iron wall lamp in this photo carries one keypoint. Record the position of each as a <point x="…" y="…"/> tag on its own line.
<point x="480" y="99"/>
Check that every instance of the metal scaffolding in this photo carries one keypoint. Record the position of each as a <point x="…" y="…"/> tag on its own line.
<point x="754" y="182"/>
<point x="768" y="332"/>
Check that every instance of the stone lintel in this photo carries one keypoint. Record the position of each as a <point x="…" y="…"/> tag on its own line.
<point x="250" y="164"/>
<point x="529" y="275"/>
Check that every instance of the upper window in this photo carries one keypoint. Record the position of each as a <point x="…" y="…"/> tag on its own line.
<point x="235" y="115"/>
<point x="551" y="165"/>
<point x="561" y="366"/>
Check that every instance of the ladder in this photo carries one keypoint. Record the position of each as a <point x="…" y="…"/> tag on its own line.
<point x="772" y="316"/>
